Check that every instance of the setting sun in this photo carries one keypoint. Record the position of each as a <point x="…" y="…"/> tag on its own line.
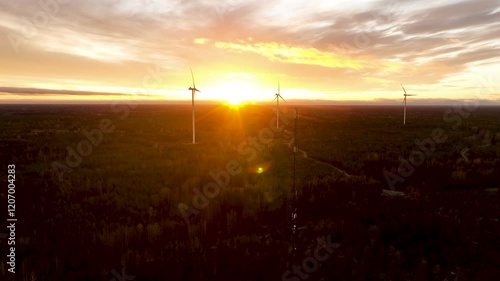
<point x="235" y="92"/>
<point x="235" y="101"/>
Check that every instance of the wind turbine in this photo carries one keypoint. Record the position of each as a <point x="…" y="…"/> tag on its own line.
<point x="193" y="90"/>
<point x="277" y="98"/>
<point x="404" y="103"/>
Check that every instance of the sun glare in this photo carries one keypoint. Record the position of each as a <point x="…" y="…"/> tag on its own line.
<point x="235" y="93"/>
<point x="235" y="100"/>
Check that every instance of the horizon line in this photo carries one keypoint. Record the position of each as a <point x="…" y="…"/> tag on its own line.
<point x="292" y="102"/>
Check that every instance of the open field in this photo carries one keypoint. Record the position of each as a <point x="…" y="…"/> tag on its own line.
<point x="106" y="192"/>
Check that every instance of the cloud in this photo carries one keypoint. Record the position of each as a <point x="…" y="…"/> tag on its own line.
<point x="454" y="17"/>
<point x="350" y="45"/>
<point x="300" y="55"/>
<point x="200" y="41"/>
<point x="35" y="91"/>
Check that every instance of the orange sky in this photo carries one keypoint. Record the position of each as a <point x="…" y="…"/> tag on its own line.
<point x="238" y="50"/>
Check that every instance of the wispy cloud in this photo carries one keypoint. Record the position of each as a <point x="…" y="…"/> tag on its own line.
<point x="41" y="92"/>
<point x="300" y="55"/>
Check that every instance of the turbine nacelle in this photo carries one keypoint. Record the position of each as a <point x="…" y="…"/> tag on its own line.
<point x="278" y="95"/>
<point x="194" y="86"/>
<point x="277" y="98"/>
<point x="404" y="104"/>
<point x="193" y="90"/>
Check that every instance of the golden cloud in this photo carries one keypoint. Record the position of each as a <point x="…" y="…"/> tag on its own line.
<point x="298" y="55"/>
<point x="200" y="41"/>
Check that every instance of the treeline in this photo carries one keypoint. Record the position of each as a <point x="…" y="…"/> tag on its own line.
<point x="119" y="209"/>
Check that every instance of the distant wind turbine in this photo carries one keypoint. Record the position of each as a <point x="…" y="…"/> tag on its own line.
<point x="277" y="98"/>
<point x="193" y="90"/>
<point x="404" y="104"/>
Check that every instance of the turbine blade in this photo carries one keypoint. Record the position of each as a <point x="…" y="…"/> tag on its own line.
<point x="192" y="76"/>
<point x="278" y="87"/>
<point x="275" y="98"/>
<point x="282" y="98"/>
<point x="403" y="88"/>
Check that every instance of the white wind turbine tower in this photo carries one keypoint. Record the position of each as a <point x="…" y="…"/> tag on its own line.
<point x="193" y="90"/>
<point x="277" y="98"/>
<point x="404" y="104"/>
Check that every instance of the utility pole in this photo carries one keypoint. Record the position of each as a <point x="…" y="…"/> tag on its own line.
<point x="294" y="189"/>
